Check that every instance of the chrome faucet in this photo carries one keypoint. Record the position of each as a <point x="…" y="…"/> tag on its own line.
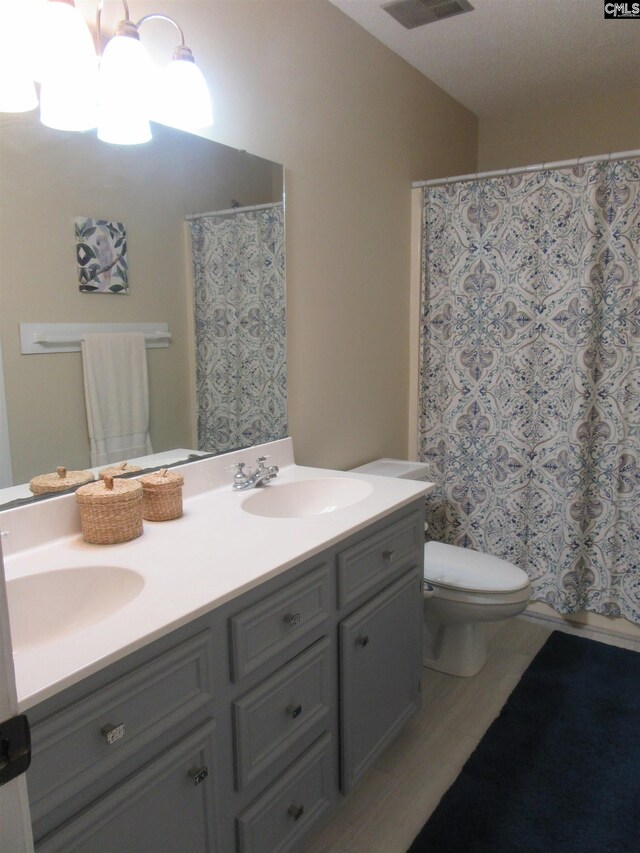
<point x="253" y="477"/>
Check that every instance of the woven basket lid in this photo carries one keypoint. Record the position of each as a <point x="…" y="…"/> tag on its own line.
<point x="60" y="480"/>
<point x="119" y="469"/>
<point x="109" y="489"/>
<point x="162" y="479"/>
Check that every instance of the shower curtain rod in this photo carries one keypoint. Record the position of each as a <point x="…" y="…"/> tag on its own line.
<point x="234" y="210"/>
<point x="436" y="182"/>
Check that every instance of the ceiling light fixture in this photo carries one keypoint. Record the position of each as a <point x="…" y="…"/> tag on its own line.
<point x="117" y="91"/>
<point x="65" y="65"/>
<point x="180" y="97"/>
<point x="124" y="84"/>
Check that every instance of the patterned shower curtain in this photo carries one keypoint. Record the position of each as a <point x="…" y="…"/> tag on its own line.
<point x="530" y="377"/>
<point x="241" y="366"/>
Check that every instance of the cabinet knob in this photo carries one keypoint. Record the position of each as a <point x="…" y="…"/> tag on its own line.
<point x="198" y="774"/>
<point x="362" y="641"/>
<point x="387" y="556"/>
<point x="296" y="812"/>
<point x="112" y="732"/>
<point x="292" y="620"/>
<point x="294" y="710"/>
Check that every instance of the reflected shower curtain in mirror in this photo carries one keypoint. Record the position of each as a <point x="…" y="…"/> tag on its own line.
<point x="239" y="294"/>
<point x="530" y="377"/>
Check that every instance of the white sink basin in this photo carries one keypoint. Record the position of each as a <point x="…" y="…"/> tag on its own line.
<point x="50" y="605"/>
<point x="306" y="497"/>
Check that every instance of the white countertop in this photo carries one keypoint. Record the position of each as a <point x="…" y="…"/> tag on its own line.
<point x="190" y="565"/>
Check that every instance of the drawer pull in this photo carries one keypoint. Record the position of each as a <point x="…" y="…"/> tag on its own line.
<point x="198" y="774"/>
<point x="294" y="710"/>
<point x="292" y="620"/>
<point x="388" y="557"/>
<point x="362" y="641"/>
<point x="113" y="733"/>
<point x="296" y="812"/>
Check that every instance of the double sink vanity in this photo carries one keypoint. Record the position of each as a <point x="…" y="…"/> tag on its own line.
<point x="220" y="682"/>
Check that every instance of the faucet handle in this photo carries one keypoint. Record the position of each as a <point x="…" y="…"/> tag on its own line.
<point x="238" y="471"/>
<point x="268" y="473"/>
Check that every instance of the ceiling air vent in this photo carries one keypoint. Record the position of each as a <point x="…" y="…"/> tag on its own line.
<point x="416" y="13"/>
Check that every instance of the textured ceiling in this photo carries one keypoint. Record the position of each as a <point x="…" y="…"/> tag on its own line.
<point x="509" y="53"/>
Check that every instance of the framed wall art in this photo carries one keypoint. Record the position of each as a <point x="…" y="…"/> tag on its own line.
<point x="101" y="251"/>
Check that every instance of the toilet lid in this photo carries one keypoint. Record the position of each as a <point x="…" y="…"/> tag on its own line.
<point x="462" y="568"/>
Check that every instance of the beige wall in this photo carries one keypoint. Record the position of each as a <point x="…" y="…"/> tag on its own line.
<point x="594" y="125"/>
<point x="299" y="83"/>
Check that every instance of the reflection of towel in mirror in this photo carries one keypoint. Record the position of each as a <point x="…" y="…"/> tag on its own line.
<point x="116" y="393"/>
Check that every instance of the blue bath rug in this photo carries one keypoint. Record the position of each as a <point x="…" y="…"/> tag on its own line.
<point x="559" y="770"/>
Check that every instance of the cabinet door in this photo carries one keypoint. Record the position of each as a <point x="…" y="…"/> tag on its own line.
<point x="168" y="806"/>
<point x="380" y="667"/>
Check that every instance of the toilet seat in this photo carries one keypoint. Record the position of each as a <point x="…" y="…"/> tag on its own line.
<point x="475" y="597"/>
<point x="466" y="571"/>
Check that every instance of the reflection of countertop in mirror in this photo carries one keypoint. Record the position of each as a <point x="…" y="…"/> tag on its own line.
<point x="153" y="460"/>
<point x="191" y="565"/>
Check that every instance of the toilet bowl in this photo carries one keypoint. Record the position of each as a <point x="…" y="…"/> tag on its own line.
<point x="463" y="591"/>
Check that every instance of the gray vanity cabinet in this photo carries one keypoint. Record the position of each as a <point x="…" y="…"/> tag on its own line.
<point x="117" y="757"/>
<point x="380" y="641"/>
<point x="167" y="805"/>
<point x="237" y="732"/>
<point x="380" y="647"/>
<point x="278" y="820"/>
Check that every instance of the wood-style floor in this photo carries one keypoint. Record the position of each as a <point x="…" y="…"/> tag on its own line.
<point x="389" y="806"/>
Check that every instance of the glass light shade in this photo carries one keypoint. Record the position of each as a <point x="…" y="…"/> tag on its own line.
<point x="61" y="44"/>
<point x="124" y="88"/>
<point x="181" y="97"/>
<point x="17" y="91"/>
<point x="20" y="96"/>
<point x="67" y="103"/>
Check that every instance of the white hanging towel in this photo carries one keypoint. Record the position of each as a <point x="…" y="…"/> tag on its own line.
<point x="116" y="392"/>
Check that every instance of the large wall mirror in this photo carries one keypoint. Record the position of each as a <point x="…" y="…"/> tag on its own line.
<point x="47" y="179"/>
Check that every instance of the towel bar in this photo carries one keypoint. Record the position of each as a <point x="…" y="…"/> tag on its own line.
<point x="67" y="337"/>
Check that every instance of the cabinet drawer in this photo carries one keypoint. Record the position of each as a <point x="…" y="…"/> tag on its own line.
<point x="379" y="557"/>
<point x="160" y="808"/>
<point x="283" y="714"/>
<point x="278" y="819"/>
<point x="279" y="621"/>
<point x="71" y="748"/>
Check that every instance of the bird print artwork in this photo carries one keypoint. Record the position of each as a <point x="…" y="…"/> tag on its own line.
<point x="101" y="251"/>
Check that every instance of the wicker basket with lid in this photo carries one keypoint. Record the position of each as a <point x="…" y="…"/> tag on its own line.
<point x="118" y="470"/>
<point x="162" y="495"/>
<point x="110" y="511"/>
<point x="59" y="481"/>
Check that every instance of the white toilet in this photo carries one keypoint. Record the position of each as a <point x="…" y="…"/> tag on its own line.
<point x="463" y="590"/>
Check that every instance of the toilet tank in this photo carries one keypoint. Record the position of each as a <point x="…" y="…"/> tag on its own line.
<point x="396" y="468"/>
